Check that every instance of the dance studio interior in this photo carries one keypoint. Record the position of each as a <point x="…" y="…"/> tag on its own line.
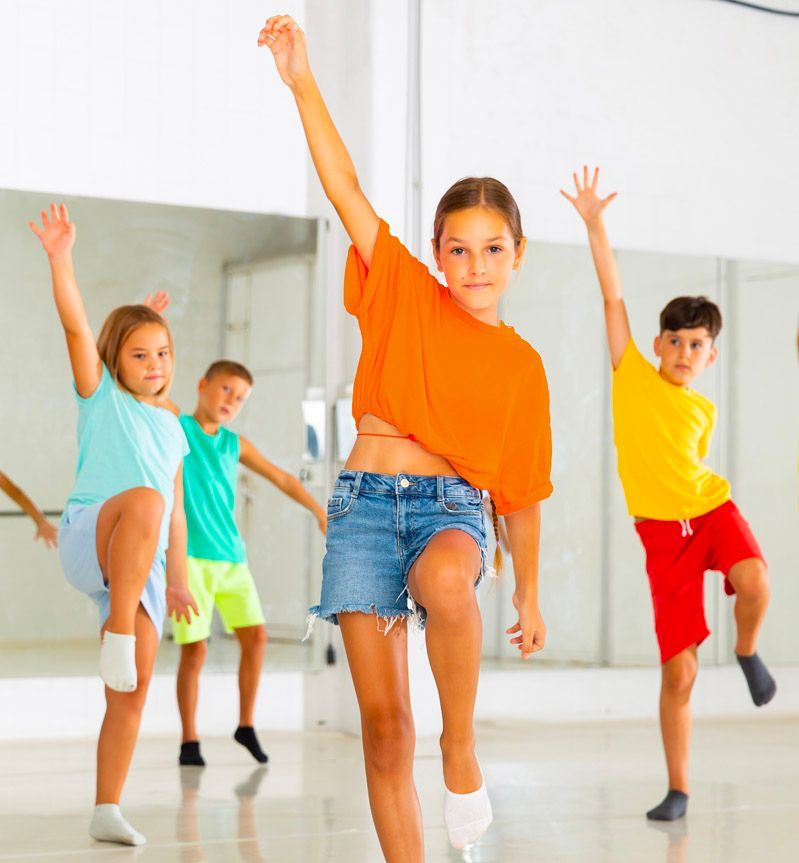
<point x="186" y="173"/>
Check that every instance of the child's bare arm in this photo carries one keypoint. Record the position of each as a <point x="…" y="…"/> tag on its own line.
<point x="57" y="235"/>
<point x="590" y="207"/>
<point x="45" y="530"/>
<point x="178" y="596"/>
<point x="524" y="532"/>
<point x="250" y="457"/>
<point x="286" y="41"/>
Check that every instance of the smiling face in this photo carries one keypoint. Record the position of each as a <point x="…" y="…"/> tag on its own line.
<point x="684" y="354"/>
<point x="222" y="397"/>
<point x="145" y="361"/>
<point x="477" y="254"/>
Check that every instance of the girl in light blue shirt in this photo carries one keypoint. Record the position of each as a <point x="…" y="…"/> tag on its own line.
<point x="123" y="534"/>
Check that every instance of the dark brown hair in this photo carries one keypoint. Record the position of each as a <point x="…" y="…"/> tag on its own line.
<point x="228" y="367"/>
<point x="479" y="192"/>
<point x="687" y="313"/>
<point x="118" y="327"/>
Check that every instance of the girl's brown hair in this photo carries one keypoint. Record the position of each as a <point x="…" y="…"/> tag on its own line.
<point x="490" y="193"/>
<point x="117" y="328"/>
<point x="479" y="192"/>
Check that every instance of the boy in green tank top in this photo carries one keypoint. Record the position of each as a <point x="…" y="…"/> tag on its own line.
<point x="217" y="560"/>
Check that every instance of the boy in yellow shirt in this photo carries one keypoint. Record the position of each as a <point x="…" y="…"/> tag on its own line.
<point x="683" y="511"/>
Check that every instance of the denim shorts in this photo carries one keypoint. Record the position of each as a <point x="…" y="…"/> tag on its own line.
<point x="377" y="526"/>
<point x="77" y="551"/>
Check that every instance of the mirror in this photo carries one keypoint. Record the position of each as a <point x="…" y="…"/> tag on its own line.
<point x="244" y="286"/>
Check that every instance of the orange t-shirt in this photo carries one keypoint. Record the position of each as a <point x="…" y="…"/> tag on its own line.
<point x="471" y="392"/>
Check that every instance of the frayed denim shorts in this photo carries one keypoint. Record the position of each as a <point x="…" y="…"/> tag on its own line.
<point x="377" y="526"/>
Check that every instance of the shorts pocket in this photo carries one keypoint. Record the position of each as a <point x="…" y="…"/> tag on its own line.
<point x="462" y="505"/>
<point x="340" y="503"/>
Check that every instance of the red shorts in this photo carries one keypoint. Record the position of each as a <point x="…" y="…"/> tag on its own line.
<point x="677" y="555"/>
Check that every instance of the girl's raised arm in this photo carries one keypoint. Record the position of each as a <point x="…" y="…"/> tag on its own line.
<point x="286" y="41"/>
<point x="57" y="235"/>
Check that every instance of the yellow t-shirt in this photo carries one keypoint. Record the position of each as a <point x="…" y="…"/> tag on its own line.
<point x="662" y="433"/>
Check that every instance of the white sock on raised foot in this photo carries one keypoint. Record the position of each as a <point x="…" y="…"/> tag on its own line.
<point x="118" y="661"/>
<point x="467" y="816"/>
<point x="108" y="825"/>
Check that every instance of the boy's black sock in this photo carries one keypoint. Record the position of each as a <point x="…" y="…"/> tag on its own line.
<point x="674" y="806"/>
<point x="245" y="734"/>
<point x="761" y="684"/>
<point x="190" y="754"/>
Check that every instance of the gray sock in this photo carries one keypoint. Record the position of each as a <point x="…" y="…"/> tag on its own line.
<point x="674" y="806"/>
<point x="761" y="684"/>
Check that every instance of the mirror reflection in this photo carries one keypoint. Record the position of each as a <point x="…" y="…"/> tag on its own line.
<point x="238" y="286"/>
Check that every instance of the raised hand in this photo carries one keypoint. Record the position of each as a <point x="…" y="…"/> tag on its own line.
<point x="57" y="233"/>
<point x="587" y="202"/>
<point x="158" y="302"/>
<point x="284" y="38"/>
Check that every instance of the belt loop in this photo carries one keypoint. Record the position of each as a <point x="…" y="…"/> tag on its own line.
<point x="440" y="489"/>
<point x="356" y="484"/>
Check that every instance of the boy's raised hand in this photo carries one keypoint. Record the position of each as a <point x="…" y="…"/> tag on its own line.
<point x="284" y="38"/>
<point x="57" y="233"/>
<point x="587" y="202"/>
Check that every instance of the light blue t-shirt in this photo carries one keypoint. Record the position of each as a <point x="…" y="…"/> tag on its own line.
<point x="209" y="493"/>
<point x="124" y="443"/>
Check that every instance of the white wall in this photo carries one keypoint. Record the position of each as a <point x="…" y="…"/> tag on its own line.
<point x="689" y="105"/>
<point x="148" y="101"/>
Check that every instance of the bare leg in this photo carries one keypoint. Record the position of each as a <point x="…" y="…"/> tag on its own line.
<point x="252" y="640"/>
<point x="123" y="711"/>
<point x="127" y="538"/>
<point x="678" y="676"/>
<point x="379" y="667"/>
<point x="750" y="579"/>
<point x="192" y="657"/>
<point x="442" y="580"/>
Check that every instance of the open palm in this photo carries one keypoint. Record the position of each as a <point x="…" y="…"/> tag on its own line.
<point x="284" y="38"/>
<point x="587" y="202"/>
<point x="57" y="233"/>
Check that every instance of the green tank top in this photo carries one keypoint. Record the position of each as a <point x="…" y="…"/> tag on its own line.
<point x="209" y="490"/>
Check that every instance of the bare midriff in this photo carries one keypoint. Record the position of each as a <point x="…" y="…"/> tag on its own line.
<point x="381" y="448"/>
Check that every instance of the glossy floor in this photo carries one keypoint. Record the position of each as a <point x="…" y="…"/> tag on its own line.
<point x="561" y="794"/>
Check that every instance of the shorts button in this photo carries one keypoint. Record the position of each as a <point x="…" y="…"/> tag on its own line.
<point x="404" y="483"/>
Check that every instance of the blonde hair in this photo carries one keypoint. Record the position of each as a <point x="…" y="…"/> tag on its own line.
<point x="118" y="327"/>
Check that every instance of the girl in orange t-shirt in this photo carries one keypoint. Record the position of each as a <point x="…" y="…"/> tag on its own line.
<point x="448" y="401"/>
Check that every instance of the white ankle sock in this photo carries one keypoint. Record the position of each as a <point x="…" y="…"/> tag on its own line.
<point x="108" y="825"/>
<point x="467" y="816"/>
<point x="118" y="661"/>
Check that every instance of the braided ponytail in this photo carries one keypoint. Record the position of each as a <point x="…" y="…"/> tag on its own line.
<point x="499" y="563"/>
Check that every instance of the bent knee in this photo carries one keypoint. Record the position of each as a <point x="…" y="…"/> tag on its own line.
<point x="750" y="579"/>
<point x="448" y="589"/>
<point x="145" y="504"/>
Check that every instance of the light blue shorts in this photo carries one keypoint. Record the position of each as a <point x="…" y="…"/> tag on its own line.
<point x="377" y="526"/>
<point x="77" y="550"/>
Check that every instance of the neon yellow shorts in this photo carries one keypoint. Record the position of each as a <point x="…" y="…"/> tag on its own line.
<point x="228" y="586"/>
